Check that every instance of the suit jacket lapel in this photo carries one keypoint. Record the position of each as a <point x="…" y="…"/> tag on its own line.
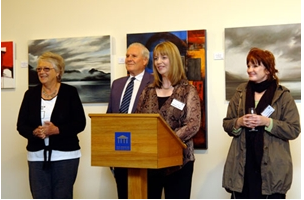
<point x="144" y="82"/>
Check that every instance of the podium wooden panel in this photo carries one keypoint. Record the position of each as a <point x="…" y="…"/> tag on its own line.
<point x="153" y="145"/>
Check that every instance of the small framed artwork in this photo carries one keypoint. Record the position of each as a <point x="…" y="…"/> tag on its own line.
<point x="8" y="79"/>
<point x="87" y="64"/>
<point x="192" y="47"/>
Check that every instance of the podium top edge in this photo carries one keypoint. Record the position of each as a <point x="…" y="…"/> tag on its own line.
<point x="142" y="115"/>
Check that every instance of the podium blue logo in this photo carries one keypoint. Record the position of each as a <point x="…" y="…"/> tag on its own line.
<point x="122" y="141"/>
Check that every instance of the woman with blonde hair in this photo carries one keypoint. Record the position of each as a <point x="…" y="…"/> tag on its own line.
<point x="50" y="117"/>
<point x="178" y="103"/>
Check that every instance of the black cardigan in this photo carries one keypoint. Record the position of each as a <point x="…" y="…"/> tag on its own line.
<point x="68" y="115"/>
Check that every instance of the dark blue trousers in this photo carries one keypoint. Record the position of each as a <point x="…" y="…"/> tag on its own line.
<point x="54" y="182"/>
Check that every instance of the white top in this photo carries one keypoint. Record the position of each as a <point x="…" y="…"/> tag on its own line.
<point x="137" y="82"/>
<point x="47" y="107"/>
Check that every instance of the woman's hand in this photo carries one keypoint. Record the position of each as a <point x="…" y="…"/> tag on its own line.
<point x="252" y="121"/>
<point x="247" y="120"/>
<point x="47" y="129"/>
<point x="50" y="128"/>
<point x="39" y="132"/>
<point x="259" y="120"/>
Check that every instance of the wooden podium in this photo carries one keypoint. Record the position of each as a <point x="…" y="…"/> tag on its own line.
<point x="137" y="142"/>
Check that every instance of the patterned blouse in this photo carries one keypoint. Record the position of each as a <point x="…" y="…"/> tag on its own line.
<point x="186" y="122"/>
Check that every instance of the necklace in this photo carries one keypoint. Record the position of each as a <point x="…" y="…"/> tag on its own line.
<point x="49" y="95"/>
<point x="167" y="88"/>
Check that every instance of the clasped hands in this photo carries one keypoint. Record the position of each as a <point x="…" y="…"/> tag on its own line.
<point x="47" y="129"/>
<point x="252" y="121"/>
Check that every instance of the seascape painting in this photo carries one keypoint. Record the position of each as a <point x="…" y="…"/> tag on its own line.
<point x="192" y="47"/>
<point x="8" y="79"/>
<point x="284" y="41"/>
<point x="87" y="64"/>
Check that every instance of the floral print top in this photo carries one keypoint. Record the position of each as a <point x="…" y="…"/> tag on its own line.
<point x="186" y="122"/>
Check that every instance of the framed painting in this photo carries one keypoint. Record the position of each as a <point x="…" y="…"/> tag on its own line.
<point x="8" y="79"/>
<point x="284" y="41"/>
<point x="87" y="64"/>
<point x="192" y="47"/>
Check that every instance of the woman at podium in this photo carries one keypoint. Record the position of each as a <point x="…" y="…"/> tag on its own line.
<point x="178" y="103"/>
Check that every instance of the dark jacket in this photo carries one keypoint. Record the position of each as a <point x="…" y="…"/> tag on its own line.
<point x="117" y="89"/>
<point x="276" y="166"/>
<point x="68" y="115"/>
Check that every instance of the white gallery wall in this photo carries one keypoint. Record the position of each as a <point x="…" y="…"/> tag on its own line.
<point x="22" y="21"/>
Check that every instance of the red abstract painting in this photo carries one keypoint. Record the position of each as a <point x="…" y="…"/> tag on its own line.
<point x="7" y="65"/>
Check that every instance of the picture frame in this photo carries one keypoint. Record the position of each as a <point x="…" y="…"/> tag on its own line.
<point x="8" y="67"/>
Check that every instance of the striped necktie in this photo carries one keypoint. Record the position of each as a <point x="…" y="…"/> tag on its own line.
<point x="124" y="107"/>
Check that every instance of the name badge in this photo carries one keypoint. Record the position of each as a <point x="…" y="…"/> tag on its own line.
<point x="177" y="104"/>
<point x="268" y="111"/>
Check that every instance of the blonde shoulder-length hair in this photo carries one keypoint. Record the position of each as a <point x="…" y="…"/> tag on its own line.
<point x="176" y="71"/>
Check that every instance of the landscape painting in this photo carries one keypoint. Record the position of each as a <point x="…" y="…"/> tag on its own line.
<point x="284" y="41"/>
<point x="8" y="79"/>
<point x="87" y="64"/>
<point x="192" y="47"/>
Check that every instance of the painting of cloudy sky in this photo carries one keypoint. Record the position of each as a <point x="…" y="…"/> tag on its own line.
<point x="87" y="64"/>
<point x="284" y="41"/>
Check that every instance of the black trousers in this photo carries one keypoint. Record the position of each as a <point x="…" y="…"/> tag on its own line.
<point x="121" y="177"/>
<point x="176" y="185"/>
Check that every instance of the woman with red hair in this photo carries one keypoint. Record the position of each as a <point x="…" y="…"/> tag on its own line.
<point x="259" y="163"/>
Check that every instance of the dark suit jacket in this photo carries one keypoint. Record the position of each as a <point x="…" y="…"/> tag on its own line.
<point x="68" y="115"/>
<point x="117" y="89"/>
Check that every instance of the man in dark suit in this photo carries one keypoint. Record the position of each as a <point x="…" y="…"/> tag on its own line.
<point x="137" y="58"/>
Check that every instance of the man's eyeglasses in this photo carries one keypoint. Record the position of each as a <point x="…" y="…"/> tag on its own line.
<point x="45" y="69"/>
